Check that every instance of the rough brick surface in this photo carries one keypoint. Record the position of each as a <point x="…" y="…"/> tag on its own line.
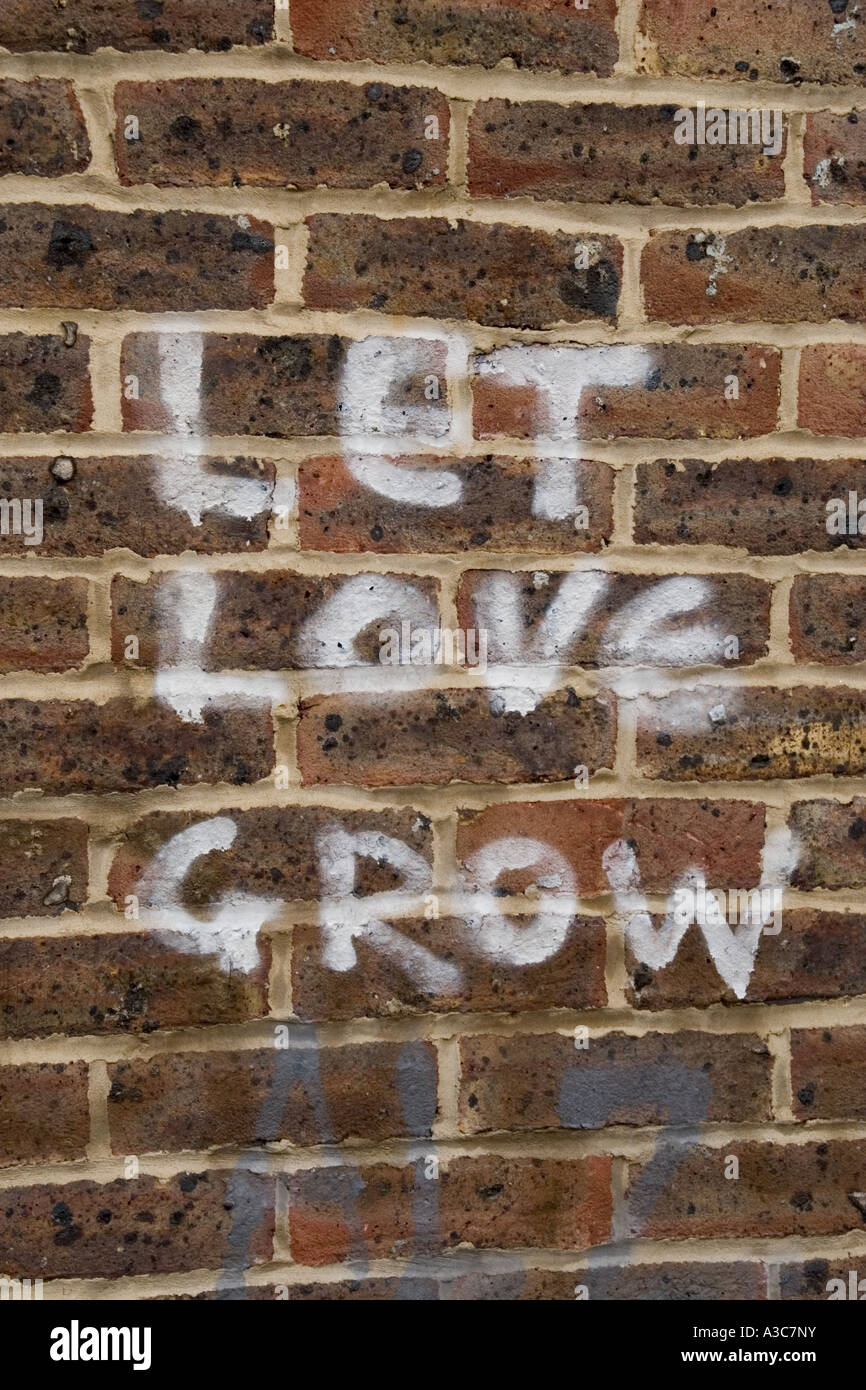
<point x="42" y="130"/>
<point x="829" y="834"/>
<point x="84" y="25"/>
<point x="825" y="1063"/>
<point x="45" y="385"/>
<point x="835" y="157"/>
<point x="43" y="1112"/>
<point x="43" y="625"/>
<point x="832" y="398"/>
<point x="46" y="867"/>
<point x="826" y="615"/>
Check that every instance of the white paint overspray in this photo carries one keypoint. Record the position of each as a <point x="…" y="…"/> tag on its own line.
<point x="327" y="638"/>
<point x="560" y="374"/>
<point x="371" y="369"/>
<point x="524" y="940"/>
<point x="641" y="631"/>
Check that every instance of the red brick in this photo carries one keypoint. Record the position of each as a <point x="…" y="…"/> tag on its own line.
<point x="44" y="1114"/>
<point x="827" y="1073"/>
<point x="764" y="733"/>
<point x="43" y="623"/>
<point x="609" y="154"/>
<point x="831" y="849"/>
<point x="231" y="131"/>
<point x="45" y="867"/>
<point x="813" y="1278"/>
<point x="389" y="739"/>
<point x="826" y="615"/>
<point x="763" y="274"/>
<point x="465" y="270"/>
<point x="84" y="25"/>
<point x="795" y="42"/>
<point x="78" y="746"/>
<point x="142" y="1226"/>
<point x="42" y="130"/>
<point x="45" y="385"/>
<point x="125" y="982"/>
<point x="833" y="389"/>
<point x="490" y="1202"/>
<point x="835" y="156"/>
<point x="682" y="395"/>
<point x="726" y="605"/>
<point x="541" y="34"/>
<point x="201" y="1099"/>
<point x="546" y="1082"/>
<point x="667" y="835"/>
<point x="494" y="511"/>
<point x="79" y="257"/>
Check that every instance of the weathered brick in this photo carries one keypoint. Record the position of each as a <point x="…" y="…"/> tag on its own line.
<point x="79" y="257"/>
<point x="609" y="154"/>
<point x="814" y="1279"/>
<point x="389" y="739"/>
<point x="43" y="624"/>
<point x="278" y="386"/>
<point x="233" y="131"/>
<point x="792" y="274"/>
<point x="834" y="148"/>
<point x="542" y="34"/>
<point x="201" y="1099"/>
<point x="817" y="955"/>
<point x="753" y="39"/>
<point x="125" y="982"/>
<point x="490" y="1202"/>
<point x="714" y="733"/>
<point x="832" y="391"/>
<point x="826" y="614"/>
<point x="667" y="835"/>
<point x="276" y="852"/>
<point x="263" y="621"/>
<point x="44" y="1114"/>
<point x="471" y="270"/>
<point x="385" y="982"/>
<point x="764" y="506"/>
<point x="827" y="1073"/>
<point x="84" y="25"/>
<point x="78" y="746"/>
<point x="782" y="1190"/>
<point x="681" y="395"/>
<point x="42" y="130"/>
<point x="676" y="1283"/>
<point x="45" y="385"/>
<point x="45" y="867"/>
<point x="544" y="1082"/>
<point x="831" y="848"/>
<point x="635" y="619"/>
<point x="144" y="1225"/>
<point x="495" y="508"/>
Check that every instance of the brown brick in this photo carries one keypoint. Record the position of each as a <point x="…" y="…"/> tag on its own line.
<point x="259" y="620"/>
<point x="45" y="867"/>
<point x="126" y="503"/>
<point x="231" y="131"/>
<point x="79" y="257"/>
<point x="467" y="270"/>
<point x="835" y="156"/>
<point x="389" y="739"/>
<point x="202" y="1099"/>
<point x="609" y="154"/>
<point x="832" y="396"/>
<point x="764" y="506"/>
<point x="667" y="835"/>
<point x="78" y="746"/>
<point x="42" y="130"/>
<point x="274" y="853"/>
<point x="494" y="510"/>
<point x="782" y="1190"/>
<point x="276" y="386"/>
<point x="826" y="614"/>
<point x="84" y="25"/>
<point x="545" y="1082"/>
<point x="45" y="385"/>
<point x="813" y="1279"/>
<point x="675" y="1283"/>
<point x="43" y="624"/>
<point x="542" y="34"/>
<point x="125" y="982"/>
<point x="830" y="843"/>
<point x="142" y="1226"/>
<point x="727" y="605"/>
<point x="44" y="1114"/>
<point x="490" y="1202"/>
<point x="792" y="274"/>
<point x="682" y="395"/>
<point x="817" y="955"/>
<point x="827" y="1073"/>
<point x="795" y="42"/>
<point x="764" y="733"/>
<point x="383" y="984"/>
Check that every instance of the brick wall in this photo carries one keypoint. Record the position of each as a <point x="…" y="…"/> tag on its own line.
<point x="329" y="326"/>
